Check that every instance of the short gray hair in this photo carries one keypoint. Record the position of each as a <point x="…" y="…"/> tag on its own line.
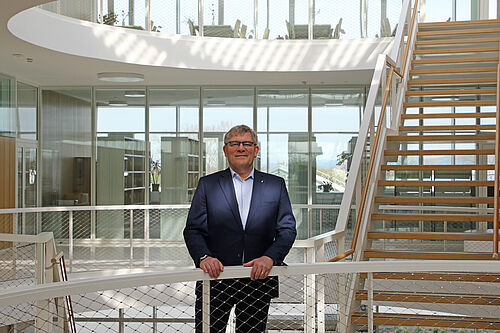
<point x="240" y="129"/>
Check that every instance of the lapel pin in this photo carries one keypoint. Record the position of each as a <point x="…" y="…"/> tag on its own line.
<point x="261" y="181"/>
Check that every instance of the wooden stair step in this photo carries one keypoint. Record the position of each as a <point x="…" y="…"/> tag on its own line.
<point x="446" y="32"/>
<point x="436" y="200"/>
<point x="438" y="167"/>
<point x="434" y="152"/>
<point x="424" y="183"/>
<point x="427" y="25"/>
<point x="449" y="115"/>
<point x="412" y="255"/>
<point x="451" y="137"/>
<point x="449" y="103"/>
<point x="422" y="297"/>
<point x="433" y="217"/>
<point x="447" y="128"/>
<point x="461" y="277"/>
<point x="453" y="81"/>
<point x="454" y="60"/>
<point x="426" y="320"/>
<point x="469" y="236"/>
<point x="453" y="70"/>
<point x="456" y="41"/>
<point x="450" y="92"/>
<point x="458" y="50"/>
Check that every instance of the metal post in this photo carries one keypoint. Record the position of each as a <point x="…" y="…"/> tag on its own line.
<point x="255" y="18"/>
<point x="70" y="240"/>
<point x="148" y="15"/>
<point x="155" y="316"/>
<point x="320" y="290"/>
<point x="200" y="17"/>
<point x="205" y="309"/>
<point x="121" y="323"/>
<point x="370" y="302"/>
<point x="309" y="296"/>
<point x="131" y="237"/>
<point x="310" y="25"/>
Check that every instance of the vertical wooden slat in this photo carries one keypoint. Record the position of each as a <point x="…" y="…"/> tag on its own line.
<point x="497" y="169"/>
<point x="7" y="185"/>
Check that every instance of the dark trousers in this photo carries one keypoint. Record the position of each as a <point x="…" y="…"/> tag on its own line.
<point x="251" y="299"/>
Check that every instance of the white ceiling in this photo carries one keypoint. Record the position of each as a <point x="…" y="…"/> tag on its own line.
<point x="54" y="68"/>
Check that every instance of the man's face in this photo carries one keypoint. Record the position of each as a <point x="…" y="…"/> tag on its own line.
<point x="240" y="156"/>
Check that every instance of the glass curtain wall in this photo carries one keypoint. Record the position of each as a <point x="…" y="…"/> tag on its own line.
<point x="7" y="107"/>
<point x="156" y="153"/>
<point x="282" y="126"/>
<point x="121" y="159"/>
<point x="276" y="19"/>
<point x="27" y="155"/>
<point x="27" y="98"/>
<point x="223" y="109"/>
<point x="65" y="138"/>
<point x="175" y="163"/>
<point x="336" y="117"/>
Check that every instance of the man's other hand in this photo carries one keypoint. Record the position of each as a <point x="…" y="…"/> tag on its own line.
<point x="212" y="266"/>
<point x="260" y="267"/>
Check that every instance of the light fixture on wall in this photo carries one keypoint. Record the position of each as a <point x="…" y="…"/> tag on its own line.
<point x="117" y="103"/>
<point x="120" y="77"/>
<point x="216" y="103"/>
<point x="134" y="93"/>
<point x="333" y="102"/>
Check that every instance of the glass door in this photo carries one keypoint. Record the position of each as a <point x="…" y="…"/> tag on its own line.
<point x="27" y="154"/>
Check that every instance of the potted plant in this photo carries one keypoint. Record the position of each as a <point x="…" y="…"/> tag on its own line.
<point x="155" y="175"/>
<point x="326" y="186"/>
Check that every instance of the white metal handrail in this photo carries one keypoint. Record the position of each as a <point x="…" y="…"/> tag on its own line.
<point x="132" y="207"/>
<point x="368" y="118"/>
<point x="20" y="295"/>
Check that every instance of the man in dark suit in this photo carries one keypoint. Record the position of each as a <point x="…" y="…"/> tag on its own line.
<point x="239" y="216"/>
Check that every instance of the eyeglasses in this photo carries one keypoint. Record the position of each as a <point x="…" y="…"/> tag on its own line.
<point x="246" y="144"/>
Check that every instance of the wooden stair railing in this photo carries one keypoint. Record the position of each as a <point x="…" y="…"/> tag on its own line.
<point x="428" y="321"/>
<point x="462" y="71"/>
<point x="59" y="266"/>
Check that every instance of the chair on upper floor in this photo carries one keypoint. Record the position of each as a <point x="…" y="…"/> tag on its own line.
<point x="290" y="29"/>
<point x="192" y="29"/>
<point x="385" y="28"/>
<point x="338" y="29"/>
<point x="266" y="34"/>
<point x="243" y="31"/>
<point x="237" y="28"/>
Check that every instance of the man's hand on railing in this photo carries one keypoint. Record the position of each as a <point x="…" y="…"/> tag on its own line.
<point x="260" y="267"/>
<point x="212" y="266"/>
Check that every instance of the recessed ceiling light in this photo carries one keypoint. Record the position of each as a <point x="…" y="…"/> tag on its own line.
<point x="216" y="103"/>
<point x="120" y="77"/>
<point x="117" y="103"/>
<point x="134" y="93"/>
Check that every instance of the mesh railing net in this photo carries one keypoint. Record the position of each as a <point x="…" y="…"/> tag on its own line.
<point x="17" y="265"/>
<point x="422" y="301"/>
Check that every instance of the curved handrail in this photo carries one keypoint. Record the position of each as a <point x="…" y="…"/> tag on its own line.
<point x="19" y="295"/>
<point x="360" y="211"/>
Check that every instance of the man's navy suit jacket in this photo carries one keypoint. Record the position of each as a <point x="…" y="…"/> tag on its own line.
<point x="214" y="225"/>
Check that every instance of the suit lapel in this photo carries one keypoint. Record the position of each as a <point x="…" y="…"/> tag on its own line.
<point x="227" y="186"/>
<point x="258" y="183"/>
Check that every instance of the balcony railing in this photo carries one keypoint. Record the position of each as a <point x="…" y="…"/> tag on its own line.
<point x="252" y="19"/>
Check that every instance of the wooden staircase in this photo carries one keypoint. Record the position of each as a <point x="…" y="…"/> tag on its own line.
<point x="441" y="179"/>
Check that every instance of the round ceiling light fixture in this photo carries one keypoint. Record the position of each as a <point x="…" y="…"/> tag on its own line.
<point x="120" y="77"/>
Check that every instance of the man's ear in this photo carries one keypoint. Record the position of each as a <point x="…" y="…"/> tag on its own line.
<point x="224" y="149"/>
